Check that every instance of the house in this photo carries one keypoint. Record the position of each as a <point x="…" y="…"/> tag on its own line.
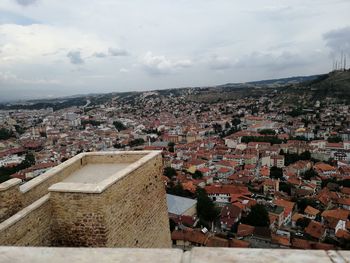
<point x="224" y="173"/>
<point x="277" y="213"/>
<point x="288" y="209"/>
<point x="311" y="212"/>
<point x="280" y="241"/>
<point x="187" y="238"/>
<point x="221" y="194"/>
<point x="299" y="167"/>
<point x="277" y="161"/>
<point x="270" y="186"/>
<point x="295" y="219"/>
<point x="343" y="203"/>
<point x="316" y="230"/>
<point x="335" y="220"/>
<point x="245" y="230"/>
<point x="230" y="214"/>
<point x="324" y="169"/>
<point x="178" y="205"/>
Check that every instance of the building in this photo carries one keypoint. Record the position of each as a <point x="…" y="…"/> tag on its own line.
<point x="181" y="206"/>
<point x="96" y="199"/>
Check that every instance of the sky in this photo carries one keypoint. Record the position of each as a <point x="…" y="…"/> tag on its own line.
<point x="51" y="48"/>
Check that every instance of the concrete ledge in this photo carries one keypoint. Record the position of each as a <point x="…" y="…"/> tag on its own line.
<point x="23" y="213"/>
<point x="9" y="183"/>
<point x="233" y="255"/>
<point x="98" y="188"/>
<point x="50" y="173"/>
<point x="197" y="255"/>
<point x="88" y="255"/>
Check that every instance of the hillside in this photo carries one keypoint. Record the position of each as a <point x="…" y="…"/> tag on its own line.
<point x="296" y="91"/>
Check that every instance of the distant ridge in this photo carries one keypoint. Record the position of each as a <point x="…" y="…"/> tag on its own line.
<point x="316" y="87"/>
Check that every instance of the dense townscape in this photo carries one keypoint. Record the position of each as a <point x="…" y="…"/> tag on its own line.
<point x="247" y="171"/>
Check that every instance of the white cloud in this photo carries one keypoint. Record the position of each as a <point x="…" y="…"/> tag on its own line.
<point x="250" y="40"/>
<point x="75" y="57"/>
<point x="159" y="65"/>
<point x="37" y="42"/>
<point x="117" y="52"/>
<point x="123" y="70"/>
<point x="8" y="77"/>
<point x="220" y="62"/>
<point x="26" y="2"/>
<point x="338" y="40"/>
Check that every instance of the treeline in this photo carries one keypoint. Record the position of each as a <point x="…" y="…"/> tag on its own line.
<point x="270" y="139"/>
<point x="290" y="158"/>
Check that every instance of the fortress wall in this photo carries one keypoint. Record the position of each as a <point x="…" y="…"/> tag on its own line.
<point x="137" y="204"/>
<point x="38" y="187"/>
<point x="132" y="212"/>
<point x="127" y="157"/>
<point x="10" y="199"/>
<point x="29" y="227"/>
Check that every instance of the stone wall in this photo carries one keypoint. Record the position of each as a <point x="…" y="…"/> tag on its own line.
<point x="10" y="198"/>
<point x="132" y="212"/>
<point x="29" y="227"/>
<point x="38" y="187"/>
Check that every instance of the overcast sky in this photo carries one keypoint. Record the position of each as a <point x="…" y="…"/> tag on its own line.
<point x="63" y="47"/>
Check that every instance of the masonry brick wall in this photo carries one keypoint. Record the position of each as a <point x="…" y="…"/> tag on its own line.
<point x="10" y="201"/>
<point x="40" y="187"/>
<point x="130" y="213"/>
<point x="33" y="229"/>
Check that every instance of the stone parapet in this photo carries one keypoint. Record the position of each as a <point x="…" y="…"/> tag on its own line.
<point x="10" y="198"/>
<point x="197" y="255"/>
<point x="99" y="199"/>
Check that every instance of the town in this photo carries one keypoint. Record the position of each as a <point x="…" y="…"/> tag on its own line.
<point x="247" y="172"/>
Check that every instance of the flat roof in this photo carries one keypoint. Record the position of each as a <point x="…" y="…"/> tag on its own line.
<point x="178" y="205"/>
<point x="94" y="173"/>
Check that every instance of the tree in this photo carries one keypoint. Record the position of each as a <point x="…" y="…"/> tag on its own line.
<point x="267" y="132"/>
<point x="270" y="139"/>
<point x="178" y="190"/>
<point x="169" y="172"/>
<point x="217" y="128"/>
<point x="309" y="174"/>
<point x="19" y="129"/>
<point x="206" y="209"/>
<point x="286" y="187"/>
<point x="276" y="173"/>
<point x="295" y="112"/>
<point x="303" y="203"/>
<point x="197" y="175"/>
<point x="5" y="134"/>
<point x="334" y="139"/>
<point x="171" y="147"/>
<point x="303" y="222"/>
<point x="258" y="216"/>
<point x="172" y="225"/>
<point x="236" y="121"/>
<point x="28" y="161"/>
<point x="136" y="142"/>
<point x="119" y="125"/>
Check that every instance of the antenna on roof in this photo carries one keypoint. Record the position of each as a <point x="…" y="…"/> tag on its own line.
<point x="341" y="60"/>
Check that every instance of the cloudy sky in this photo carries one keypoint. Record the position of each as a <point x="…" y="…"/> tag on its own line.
<point x="63" y="47"/>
